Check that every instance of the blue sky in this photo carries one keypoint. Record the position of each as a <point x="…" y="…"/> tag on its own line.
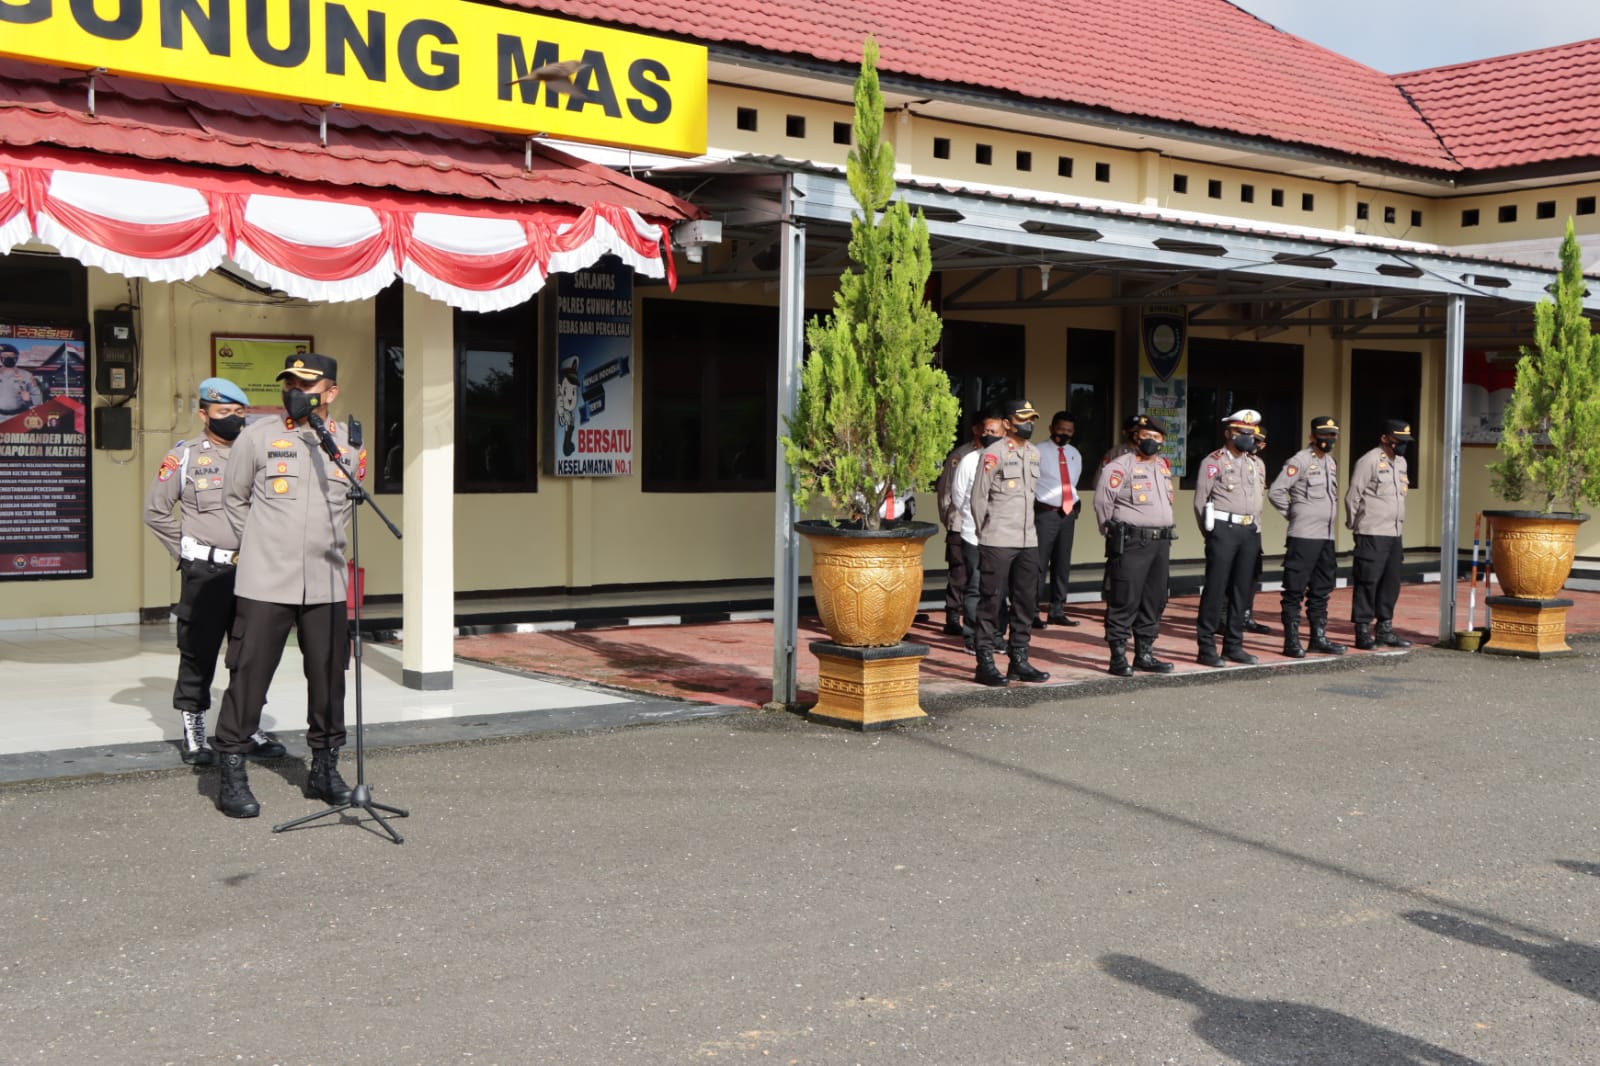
<point x="1401" y="35"/>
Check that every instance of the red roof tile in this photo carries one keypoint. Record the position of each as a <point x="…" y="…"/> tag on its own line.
<point x="1533" y="107"/>
<point x="47" y="106"/>
<point x="1204" y="63"/>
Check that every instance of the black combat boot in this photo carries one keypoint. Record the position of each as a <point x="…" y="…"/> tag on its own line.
<point x="1144" y="657"/>
<point x="1319" y="639"/>
<point x="1018" y="668"/>
<point x="1364" y="641"/>
<point x="234" y="797"/>
<point x="987" y="673"/>
<point x="1389" y="638"/>
<point x="324" y="782"/>
<point x="263" y="745"/>
<point x="1251" y="625"/>
<point x="1240" y="656"/>
<point x="193" y="747"/>
<point x="1208" y="655"/>
<point x="1119" y="659"/>
<point x="1291" y="636"/>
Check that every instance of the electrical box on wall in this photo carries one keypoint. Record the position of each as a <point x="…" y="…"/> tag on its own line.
<point x="116" y="354"/>
<point x="113" y="429"/>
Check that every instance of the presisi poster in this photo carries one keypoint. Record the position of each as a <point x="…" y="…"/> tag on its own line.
<point x="44" y="454"/>
<point x="594" y="378"/>
<point x="1164" y="377"/>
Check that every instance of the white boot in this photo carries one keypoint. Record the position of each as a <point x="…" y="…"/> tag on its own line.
<point x="193" y="746"/>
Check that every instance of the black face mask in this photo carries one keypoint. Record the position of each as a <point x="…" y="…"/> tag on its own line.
<point x="1061" y="438"/>
<point x="300" y="404"/>
<point x="1149" y="447"/>
<point x="227" y="428"/>
<point x="988" y="439"/>
<point x="1245" y="442"/>
<point x="1399" y="447"/>
<point x="9" y="360"/>
<point x="1025" y="430"/>
<point x="1324" y="444"/>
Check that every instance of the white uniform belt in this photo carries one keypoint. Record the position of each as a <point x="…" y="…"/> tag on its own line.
<point x="1237" y="519"/>
<point x="193" y="550"/>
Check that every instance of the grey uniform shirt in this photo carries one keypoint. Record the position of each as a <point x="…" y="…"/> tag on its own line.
<point x="1232" y="483"/>
<point x="1002" y="495"/>
<point x="1306" y="492"/>
<point x="1375" y="501"/>
<point x="289" y="504"/>
<point x="949" y="512"/>
<point x="1135" y="490"/>
<point x="191" y="475"/>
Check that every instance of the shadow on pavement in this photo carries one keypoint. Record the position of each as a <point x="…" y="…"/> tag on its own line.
<point x="1270" y="1032"/>
<point x="1564" y="963"/>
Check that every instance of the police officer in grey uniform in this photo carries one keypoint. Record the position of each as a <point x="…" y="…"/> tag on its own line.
<point x="1008" y="546"/>
<point x="19" y="389"/>
<point x="203" y="543"/>
<point x="289" y="502"/>
<point x="1133" y="508"/>
<point x="1306" y="492"/>
<point x="1228" y="493"/>
<point x="1375" y="510"/>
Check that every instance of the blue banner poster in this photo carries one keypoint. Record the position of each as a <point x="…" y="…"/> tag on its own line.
<point x="594" y="372"/>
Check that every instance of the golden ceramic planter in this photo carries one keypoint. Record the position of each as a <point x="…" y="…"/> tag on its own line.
<point x="867" y="583"/>
<point x="1532" y="552"/>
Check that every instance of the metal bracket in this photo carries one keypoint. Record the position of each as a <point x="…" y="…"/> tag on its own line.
<point x="322" y="134"/>
<point x="92" y="75"/>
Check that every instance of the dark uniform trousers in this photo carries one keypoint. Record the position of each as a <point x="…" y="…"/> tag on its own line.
<point x="1309" y="571"/>
<point x="1375" y="578"/>
<point x="1231" y="554"/>
<point x="955" y="586"/>
<point x="255" y="646"/>
<point x="1255" y="582"/>
<point x="1055" y="554"/>
<point x="1001" y="571"/>
<point x="1137" y="582"/>
<point x="205" y="615"/>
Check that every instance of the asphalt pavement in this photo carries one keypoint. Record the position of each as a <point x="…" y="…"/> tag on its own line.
<point x="1393" y="863"/>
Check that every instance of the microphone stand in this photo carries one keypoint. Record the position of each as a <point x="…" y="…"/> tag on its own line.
<point x="361" y="795"/>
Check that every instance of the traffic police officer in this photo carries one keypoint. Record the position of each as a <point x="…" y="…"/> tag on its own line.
<point x="203" y="543"/>
<point x="1008" y="546"/>
<point x="1375" y="510"/>
<point x="19" y="390"/>
<point x="1133" y="509"/>
<point x="1228" y="493"/>
<point x="1250" y="623"/>
<point x="1306" y="492"/>
<point x="289" y="502"/>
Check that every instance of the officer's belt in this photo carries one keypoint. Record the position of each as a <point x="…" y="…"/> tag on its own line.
<point x="1151" y="533"/>
<point x="1236" y="519"/>
<point x="194" y="551"/>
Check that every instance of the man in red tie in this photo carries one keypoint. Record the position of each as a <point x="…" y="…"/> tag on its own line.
<point x="1055" y="515"/>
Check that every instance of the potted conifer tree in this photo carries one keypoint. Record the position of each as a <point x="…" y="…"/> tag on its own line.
<point x="874" y="418"/>
<point x="1550" y="454"/>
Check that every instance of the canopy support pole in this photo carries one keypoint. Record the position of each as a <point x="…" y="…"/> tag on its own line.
<point x="1455" y="327"/>
<point x="786" y="547"/>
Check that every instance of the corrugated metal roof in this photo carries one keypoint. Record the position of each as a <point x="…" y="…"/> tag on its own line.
<point x="48" y="106"/>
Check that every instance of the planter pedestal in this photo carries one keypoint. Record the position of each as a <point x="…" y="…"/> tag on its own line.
<point x="1531" y="629"/>
<point x="867" y="688"/>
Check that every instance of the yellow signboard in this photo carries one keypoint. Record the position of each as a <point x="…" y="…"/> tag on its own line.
<point x="448" y="60"/>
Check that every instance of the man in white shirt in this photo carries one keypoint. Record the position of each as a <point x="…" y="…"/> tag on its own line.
<point x="990" y="430"/>
<point x="1055" y="514"/>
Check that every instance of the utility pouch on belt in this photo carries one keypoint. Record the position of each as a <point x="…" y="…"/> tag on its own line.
<point x="1116" y="539"/>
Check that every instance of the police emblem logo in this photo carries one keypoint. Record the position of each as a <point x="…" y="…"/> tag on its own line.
<point x="280" y="486"/>
<point x="1116" y="481"/>
<point x="1011" y="483"/>
<point x="283" y="468"/>
<point x="1292" y="470"/>
<point x="169" y="466"/>
<point x="1211" y="470"/>
<point x="1142" y="497"/>
<point x="990" y="461"/>
<point x="204" y="460"/>
<point x="299" y="363"/>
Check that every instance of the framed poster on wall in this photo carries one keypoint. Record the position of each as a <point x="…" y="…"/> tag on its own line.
<point x="45" y="528"/>
<point x="253" y="361"/>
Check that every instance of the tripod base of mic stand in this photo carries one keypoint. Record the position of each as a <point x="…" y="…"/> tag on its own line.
<point x="360" y="799"/>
